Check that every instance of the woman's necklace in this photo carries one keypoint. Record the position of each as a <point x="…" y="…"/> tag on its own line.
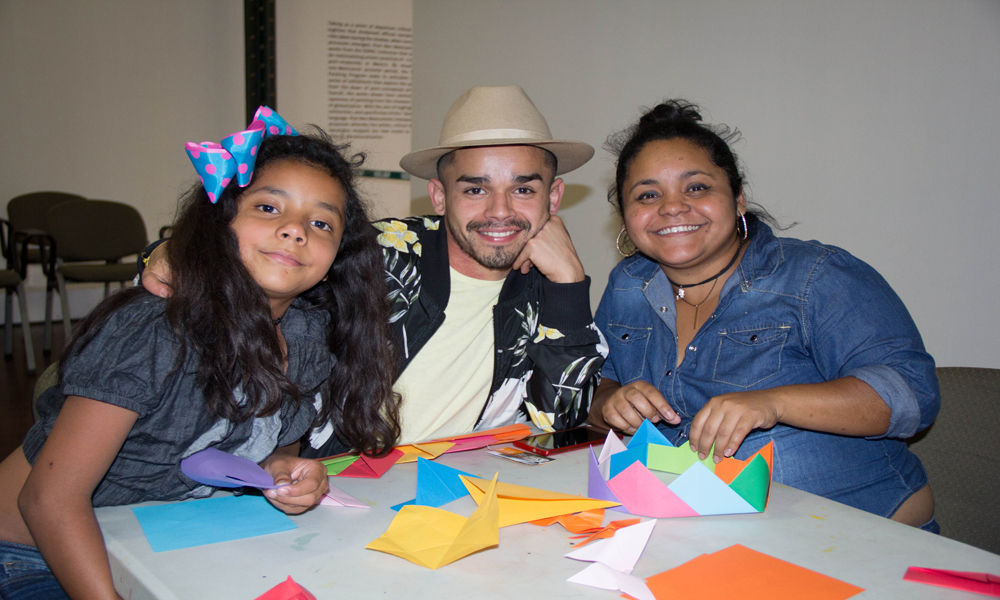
<point x="697" y="306"/>
<point x="680" y="287"/>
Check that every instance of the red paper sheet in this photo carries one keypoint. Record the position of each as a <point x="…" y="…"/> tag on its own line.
<point x="287" y="590"/>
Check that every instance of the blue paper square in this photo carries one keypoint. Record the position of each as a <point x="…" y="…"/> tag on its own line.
<point x="199" y="522"/>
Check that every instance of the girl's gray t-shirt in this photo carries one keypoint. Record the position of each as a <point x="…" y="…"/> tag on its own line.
<point x="131" y="363"/>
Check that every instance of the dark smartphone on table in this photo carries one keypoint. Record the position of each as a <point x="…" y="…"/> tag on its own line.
<point x="562" y="441"/>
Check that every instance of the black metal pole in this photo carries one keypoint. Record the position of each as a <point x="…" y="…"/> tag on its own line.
<point x="258" y="30"/>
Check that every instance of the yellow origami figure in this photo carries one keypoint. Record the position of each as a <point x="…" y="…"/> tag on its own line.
<point x="432" y="537"/>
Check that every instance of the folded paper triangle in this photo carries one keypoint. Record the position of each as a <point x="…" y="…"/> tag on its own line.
<point x="437" y="484"/>
<point x="370" y="467"/>
<point x="287" y="590"/>
<point x="519" y="504"/>
<point x="675" y="460"/>
<point x="648" y="434"/>
<point x="432" y="537"/>
<point x="428" y="450"/>
<point x="338" y="497"/>
<point x="642" y="493"/>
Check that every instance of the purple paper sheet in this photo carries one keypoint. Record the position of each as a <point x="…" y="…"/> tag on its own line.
<point x="221" y="469"/>
<point x="597" y="488"/>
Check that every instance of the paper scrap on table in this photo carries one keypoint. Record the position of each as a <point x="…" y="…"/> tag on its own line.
<point x="584" y="522"/>
<point x="224" y="470"/>
<point x="739" y="572"/>
<point x="968" y="581"/>
<point x="601" y="576"/>
<point x="287" y="590"/>
<point x="621" y="551"/>
<point x="437" y="485"/>
<point x="364" y="466"/>
<point x="199" y="522"/>
<point x="520" y="504"/>
<point x="338" y="497"/>
<point x="604" y="532"/>
<point x="432" y="537"/>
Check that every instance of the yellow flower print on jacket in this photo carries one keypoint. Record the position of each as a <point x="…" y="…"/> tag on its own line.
<point x="547" y="332"/>
<point x="542" y="420"/>
<point x="396" y="235"/>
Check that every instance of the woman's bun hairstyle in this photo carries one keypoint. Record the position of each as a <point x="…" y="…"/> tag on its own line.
<point x="669" y="120"/>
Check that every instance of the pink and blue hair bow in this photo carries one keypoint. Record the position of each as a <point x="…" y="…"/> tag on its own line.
<point x="235" y="156"/>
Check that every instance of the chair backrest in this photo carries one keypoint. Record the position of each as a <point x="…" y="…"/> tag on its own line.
<point x="28" y="211"/>
<point x="961" y="462"/>
<point x="96" y="230"/>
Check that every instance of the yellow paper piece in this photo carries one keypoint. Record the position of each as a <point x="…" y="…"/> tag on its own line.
<point x="428" y="450"/>
<point x="432" y="537"/>
<point x="519" y="504"/>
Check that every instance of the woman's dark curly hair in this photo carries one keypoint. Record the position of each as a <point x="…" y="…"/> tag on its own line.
<point x="669" y="120"/>
<point x="220" y="312"/>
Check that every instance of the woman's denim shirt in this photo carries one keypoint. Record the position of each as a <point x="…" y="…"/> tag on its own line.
<point x="793" y="312"/>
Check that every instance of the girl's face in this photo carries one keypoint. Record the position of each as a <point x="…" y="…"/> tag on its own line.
<point x="679" y="208"/>
<point x="289" y="225"/>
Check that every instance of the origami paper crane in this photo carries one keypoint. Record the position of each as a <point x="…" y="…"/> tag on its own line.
<point x="287" y="590"/>
<point x="749" y="575"/>
<point x="361" y="466"/>
<point x="220" y="469"/>
<point x="969" y="581"/>
<point x="519" y="504"/>
<point x="735" y="486"/>
<point x="614" y="560"/>
<point x="436" y="485"/>
<point x="432" y="537"/>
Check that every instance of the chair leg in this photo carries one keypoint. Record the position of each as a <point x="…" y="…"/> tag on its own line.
<point x="47" y="335"/>
<point x="8" y="327"/>
<point x="107" y="288"/>
<point x="29" y="349"/>
<point x="64" y="300"/>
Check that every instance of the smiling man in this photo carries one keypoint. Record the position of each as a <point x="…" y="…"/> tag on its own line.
<point x="490" y="303"/>
<point x="491" y="312"/>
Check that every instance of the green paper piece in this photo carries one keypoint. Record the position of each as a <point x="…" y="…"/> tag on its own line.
<point x="752" y="483"/>
<point x="337" y="464"/>
<point x="675" y="460"/>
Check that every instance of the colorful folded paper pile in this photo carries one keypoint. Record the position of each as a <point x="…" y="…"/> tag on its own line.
<point x="625" y="474"/>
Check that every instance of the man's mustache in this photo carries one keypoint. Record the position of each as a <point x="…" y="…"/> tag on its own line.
<point x="473" y="226"/>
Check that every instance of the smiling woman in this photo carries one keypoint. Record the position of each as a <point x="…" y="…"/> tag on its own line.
<point x="731" y="338"/>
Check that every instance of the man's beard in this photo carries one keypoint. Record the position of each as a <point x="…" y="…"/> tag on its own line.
<point x="499" y="257"/>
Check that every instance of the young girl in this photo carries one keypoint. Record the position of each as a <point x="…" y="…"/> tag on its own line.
<point x="263" y="319"/>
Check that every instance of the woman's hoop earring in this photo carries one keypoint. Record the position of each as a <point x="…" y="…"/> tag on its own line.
<point x="618" y="244"/>
<point x="745" y="230"/>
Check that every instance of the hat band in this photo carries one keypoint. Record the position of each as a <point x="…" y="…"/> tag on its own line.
<point x="494" y="134"/>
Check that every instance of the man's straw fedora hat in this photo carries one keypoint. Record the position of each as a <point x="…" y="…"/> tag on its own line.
<point x="495" y="116"/>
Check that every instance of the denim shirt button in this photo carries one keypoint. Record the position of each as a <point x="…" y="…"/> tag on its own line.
<point x="664" y="309"/>
<point x="692" y="348"/>
<point x="669" y="371"/>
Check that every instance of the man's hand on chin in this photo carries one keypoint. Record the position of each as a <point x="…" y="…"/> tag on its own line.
<point x="551" y="251"/>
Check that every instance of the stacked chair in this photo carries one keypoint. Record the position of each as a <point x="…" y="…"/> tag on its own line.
<point x="12" y="280"/>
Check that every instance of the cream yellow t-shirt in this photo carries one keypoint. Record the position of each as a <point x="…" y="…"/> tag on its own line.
<point x="446" y="385"/>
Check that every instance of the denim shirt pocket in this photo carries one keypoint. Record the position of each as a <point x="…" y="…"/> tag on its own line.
<point x="627" y="344"/>
<point x="748" y="356"/>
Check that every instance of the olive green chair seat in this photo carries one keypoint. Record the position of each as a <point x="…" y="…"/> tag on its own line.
<point x="961" y="461"/>
<point x="88" y="231"/>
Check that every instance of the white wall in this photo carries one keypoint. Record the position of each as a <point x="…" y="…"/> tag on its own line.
<point x="98" y="98"/>
<point x="875" y="125"/>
